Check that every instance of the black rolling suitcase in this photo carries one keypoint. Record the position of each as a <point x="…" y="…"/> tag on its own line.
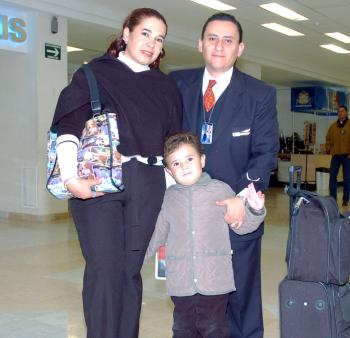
<point x="314" y="310"/>
<point x="315" y="296"/>
<point x="318" y="248"/>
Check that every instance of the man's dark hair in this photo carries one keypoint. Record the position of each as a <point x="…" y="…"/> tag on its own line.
<point x="174" y="141"/>
<point x="224" y="17"/>
<point x="345" y="107"/>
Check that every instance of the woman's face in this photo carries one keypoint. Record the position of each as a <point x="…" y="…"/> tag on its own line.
<point x="145" y="42"/>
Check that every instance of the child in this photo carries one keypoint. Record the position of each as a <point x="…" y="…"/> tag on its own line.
<point x="198" y="252"/>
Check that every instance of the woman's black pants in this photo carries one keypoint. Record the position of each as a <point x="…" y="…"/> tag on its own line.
<point x="114" y="231"/>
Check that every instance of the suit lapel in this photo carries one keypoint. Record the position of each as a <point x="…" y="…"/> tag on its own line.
<point x="192" y="98"/>
<point x="228" y="104"/>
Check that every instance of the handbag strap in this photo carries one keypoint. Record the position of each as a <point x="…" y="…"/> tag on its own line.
<point x="94" y="92"/>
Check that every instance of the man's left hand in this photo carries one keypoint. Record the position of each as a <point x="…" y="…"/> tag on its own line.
<point x="235" y="211"/>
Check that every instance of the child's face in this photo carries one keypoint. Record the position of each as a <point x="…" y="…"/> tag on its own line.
<point x="185" y="164"/>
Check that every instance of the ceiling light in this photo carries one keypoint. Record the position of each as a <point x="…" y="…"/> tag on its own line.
<point x="214" y="4"/>
<point x="339" y="36"/>
<point x="336" y="49"/>
<point x="283" y="11"/>
<point x="282" y="29"/>
<point x="73" y="49"/>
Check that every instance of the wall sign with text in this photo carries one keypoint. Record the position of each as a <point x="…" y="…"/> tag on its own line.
<point x="13" y="30"/>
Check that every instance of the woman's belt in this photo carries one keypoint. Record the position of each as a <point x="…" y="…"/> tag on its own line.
<point x="151" y="160"/>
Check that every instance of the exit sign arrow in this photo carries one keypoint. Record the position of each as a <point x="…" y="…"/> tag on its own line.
<point x="52" y="51"/>
<point x="55" y="51"/>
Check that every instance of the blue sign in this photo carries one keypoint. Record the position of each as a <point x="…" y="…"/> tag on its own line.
<point x="306" y="99"/>
<point x="317" y="99"/>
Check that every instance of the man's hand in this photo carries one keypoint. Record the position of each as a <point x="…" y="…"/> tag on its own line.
<point x="235" y="212"/>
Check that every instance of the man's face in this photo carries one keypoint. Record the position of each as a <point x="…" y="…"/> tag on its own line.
<point x="342" y="114"/>
<point x="220" y="46"/>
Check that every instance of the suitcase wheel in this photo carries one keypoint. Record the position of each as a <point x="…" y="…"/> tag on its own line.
<point x="320" y="305"/>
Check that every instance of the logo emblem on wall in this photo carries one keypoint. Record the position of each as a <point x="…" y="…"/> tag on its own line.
<point x="303" y="98"/>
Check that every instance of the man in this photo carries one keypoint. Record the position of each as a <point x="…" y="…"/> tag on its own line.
<point x="338" y="145"/>
<point x="236" y="120"/>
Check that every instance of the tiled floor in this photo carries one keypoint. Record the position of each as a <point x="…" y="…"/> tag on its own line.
<point x="41" y="279"/>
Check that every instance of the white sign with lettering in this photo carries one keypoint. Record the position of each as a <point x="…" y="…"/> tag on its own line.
<point x="13" y="30"/>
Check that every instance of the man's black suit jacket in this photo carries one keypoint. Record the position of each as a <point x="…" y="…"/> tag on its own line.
<point x="245" y="137"/>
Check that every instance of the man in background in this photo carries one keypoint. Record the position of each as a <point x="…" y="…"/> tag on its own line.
<point x="338" y="145"/>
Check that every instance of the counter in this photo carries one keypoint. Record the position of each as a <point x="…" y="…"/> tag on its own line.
<point x="313" y="162"/>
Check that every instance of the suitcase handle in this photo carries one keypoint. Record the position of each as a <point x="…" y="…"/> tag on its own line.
<point x="293" y="191"/>
<point x="292" y="171"/>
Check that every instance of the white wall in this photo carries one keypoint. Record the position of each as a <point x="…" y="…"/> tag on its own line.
<point x="51" y="78"/>
<point x="251" y="68"/>
<point x="30" y="85"/>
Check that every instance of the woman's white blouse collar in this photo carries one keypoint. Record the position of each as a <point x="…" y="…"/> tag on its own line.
<point x="136" y="67"/>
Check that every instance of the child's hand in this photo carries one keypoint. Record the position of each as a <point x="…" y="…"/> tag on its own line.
<point x="255" y="199"/>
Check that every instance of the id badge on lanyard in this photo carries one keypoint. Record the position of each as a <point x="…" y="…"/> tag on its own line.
<point x="207" y="133"/>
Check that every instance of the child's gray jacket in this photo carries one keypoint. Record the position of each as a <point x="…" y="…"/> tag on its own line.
<point x="198" y="249"/>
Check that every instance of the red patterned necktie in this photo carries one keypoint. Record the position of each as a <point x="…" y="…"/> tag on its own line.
<point x="209" y="98"/>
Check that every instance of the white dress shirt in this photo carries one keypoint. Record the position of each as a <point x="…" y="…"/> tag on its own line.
<point x="222" y="82"/>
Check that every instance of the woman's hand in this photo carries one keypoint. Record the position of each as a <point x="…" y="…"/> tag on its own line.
<point x="81" y="188"/>
<point x="255" y="199"/>
<point x="235" y="212"/>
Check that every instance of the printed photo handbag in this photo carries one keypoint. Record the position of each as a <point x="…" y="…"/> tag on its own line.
<point x="98" y="156"/>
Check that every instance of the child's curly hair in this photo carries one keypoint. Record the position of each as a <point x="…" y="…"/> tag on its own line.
<point x="174" y="141"/>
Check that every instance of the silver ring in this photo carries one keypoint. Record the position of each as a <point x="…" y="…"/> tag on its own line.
<point x="93" y="192"/>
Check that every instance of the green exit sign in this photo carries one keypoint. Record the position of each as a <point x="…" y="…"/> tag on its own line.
<point x="52" y="51"/>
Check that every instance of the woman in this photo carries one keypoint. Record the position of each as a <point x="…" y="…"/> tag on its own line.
<point x="114" y="229"/>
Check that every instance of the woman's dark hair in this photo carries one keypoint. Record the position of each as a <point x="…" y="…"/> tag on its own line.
<point x="224" y="17"/>
<point x="174" y="141"/>
<point x="131" y="21"/>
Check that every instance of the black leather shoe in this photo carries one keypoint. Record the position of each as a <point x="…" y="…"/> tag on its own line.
<point x="345" y="203"/>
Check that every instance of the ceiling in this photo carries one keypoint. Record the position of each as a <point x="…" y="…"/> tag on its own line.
<point x="286" y="61"/>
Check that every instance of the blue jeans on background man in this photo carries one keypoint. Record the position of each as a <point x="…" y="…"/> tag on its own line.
<point x="336" y="162"/>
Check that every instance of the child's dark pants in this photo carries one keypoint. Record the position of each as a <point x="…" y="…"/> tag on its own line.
<point x="200" y="316"/>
